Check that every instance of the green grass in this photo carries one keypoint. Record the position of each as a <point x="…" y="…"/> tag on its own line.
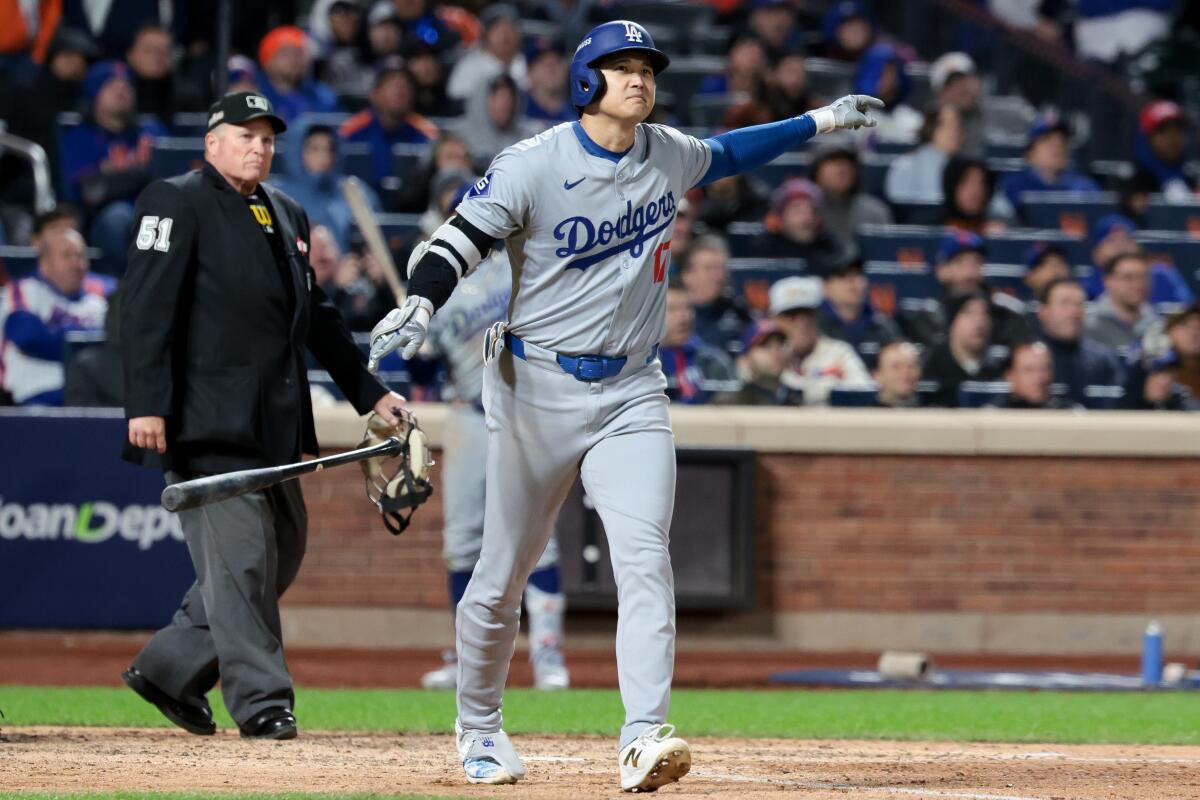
<point x="1119" y="718"/>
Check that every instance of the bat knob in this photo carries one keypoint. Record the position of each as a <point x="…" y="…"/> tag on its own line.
<point x="172" y="497"/>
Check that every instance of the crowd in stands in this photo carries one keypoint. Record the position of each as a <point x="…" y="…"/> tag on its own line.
<point x="798" y="284"/>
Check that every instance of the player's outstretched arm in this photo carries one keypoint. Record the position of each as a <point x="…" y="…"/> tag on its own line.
<point x="745" y="149"/>
<point x="434" y="269"/>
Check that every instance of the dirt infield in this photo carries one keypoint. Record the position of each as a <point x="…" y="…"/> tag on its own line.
<point x="76" y="759"/>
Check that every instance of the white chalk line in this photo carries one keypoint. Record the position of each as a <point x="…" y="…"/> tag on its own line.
<point x="848" y="787"/>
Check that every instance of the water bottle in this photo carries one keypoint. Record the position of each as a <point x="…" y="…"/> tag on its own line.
<point x="1152" y="655"/>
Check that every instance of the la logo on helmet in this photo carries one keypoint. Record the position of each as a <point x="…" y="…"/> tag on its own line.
<point x="633" y="33"/>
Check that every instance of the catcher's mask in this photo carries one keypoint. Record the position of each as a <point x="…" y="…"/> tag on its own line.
<point x="400" y="481"/>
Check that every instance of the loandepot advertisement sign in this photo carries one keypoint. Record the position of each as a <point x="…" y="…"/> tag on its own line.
<point x="84" y="542"/>
<point x="88" y="523"/>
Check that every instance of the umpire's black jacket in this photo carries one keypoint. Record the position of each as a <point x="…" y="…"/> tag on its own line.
<point x="210" y="340"/>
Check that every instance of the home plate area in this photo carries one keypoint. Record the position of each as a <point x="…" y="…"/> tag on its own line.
<point x="47" y="759"/>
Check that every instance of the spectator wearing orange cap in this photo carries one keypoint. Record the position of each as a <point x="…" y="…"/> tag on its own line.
<point x="283" y="54"/>
<point x="1159" y="151"/>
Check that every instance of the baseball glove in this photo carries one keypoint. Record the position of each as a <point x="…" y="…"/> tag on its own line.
<point x="397" y="483"/>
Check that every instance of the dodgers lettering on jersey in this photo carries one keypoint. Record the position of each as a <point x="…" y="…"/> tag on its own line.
<point x="456" y="331"/>
<point x="588" y="238"/>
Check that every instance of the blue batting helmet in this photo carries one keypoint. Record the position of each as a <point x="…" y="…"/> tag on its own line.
<point x="587" y="84"/>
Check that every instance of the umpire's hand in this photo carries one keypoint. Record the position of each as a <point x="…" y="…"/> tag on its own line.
<point x="148" y="432"/>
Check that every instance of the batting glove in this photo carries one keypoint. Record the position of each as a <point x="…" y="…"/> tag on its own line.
<point x="848" y="113"/>
<point x="405" y="327"/>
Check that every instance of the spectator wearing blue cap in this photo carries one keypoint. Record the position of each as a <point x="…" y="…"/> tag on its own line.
<point x="1121" y="315"/>
<point x="965" y="354"/>
<point x="760" y="369"/>
<point x="1079" y="361"/>
<point x="721" y="317"/>
<point x="390" y="120"/>
<point x="881" y="74"/>
<point x="498" y="52"/>
<point x="847" y="31"/>
<point x="1113" y="234"/>
<point x="1044" y="262"/>
<point x="105" y="160"/>
<point x="959" y="270"/>
<point x="846" y="312"/>
<point x="1048" y="162"/>
<point x="546" y="102"/>
<point x="694" y="368"/>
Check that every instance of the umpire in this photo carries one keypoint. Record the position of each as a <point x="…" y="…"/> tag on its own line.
<point x="219" y="302"/>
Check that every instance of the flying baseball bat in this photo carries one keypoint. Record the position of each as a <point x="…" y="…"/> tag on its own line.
<point x="364" y="217"/>
<point x="211" y="488"/>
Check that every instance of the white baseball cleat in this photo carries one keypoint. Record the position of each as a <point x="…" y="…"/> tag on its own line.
<point x="488" y="757"/>
<point x="444" y="677"/>
<point x="654" y="759"/>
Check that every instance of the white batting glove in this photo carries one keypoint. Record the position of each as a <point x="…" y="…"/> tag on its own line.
<point x="405" y="327"/>
<point x="848" y="113"/>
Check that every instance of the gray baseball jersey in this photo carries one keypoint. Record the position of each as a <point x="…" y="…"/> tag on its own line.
<point x="589" y="240"/>
<point x="588" y="237"/>
<point x="456" y="331"/>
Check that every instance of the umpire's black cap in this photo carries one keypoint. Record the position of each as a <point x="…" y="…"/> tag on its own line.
<point x="241" y="107"/>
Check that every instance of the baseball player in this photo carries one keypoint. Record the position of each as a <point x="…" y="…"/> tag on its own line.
<point x="572" y="384"/>
<point x="456" y="335"/>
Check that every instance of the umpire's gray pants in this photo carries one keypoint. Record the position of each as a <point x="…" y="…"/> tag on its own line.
<point x="246" y="550"/>
<point x="544" y="429"/>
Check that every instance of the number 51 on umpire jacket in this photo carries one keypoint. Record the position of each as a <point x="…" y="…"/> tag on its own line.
<point x="214" y="328"/>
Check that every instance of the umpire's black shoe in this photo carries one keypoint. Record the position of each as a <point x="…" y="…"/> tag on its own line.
<point x="193" y="719"/>
<point x="274" y="723"/>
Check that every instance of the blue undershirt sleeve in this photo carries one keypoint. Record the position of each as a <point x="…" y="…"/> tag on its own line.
<point x="34" y="337"/>
<point x="744" y="149"/>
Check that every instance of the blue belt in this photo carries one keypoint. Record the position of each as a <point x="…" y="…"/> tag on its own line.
<point x="588" y="369"/>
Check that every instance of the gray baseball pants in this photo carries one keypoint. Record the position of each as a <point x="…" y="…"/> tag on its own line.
<point x="246" y="550"/>
<point x="544" y="428"/>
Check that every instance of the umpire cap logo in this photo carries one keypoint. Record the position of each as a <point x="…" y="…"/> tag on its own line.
<point x="633" y="33"/>
<point x="254" y="101"/>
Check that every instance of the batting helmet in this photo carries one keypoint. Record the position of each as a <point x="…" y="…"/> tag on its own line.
<point x="587" y="84"/>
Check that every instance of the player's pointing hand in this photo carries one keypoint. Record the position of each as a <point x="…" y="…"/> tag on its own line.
<point x="403" y="327"/>
<point x="848" y="113"/>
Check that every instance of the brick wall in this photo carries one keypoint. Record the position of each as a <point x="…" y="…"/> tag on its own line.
<point x="868" y="533"/>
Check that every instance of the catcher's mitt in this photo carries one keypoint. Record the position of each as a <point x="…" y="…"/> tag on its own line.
<point x="401" y="481"/>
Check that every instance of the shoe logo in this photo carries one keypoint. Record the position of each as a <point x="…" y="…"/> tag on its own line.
<point x="569" y="186"/>
<point x="631" y="758"/>
<point x="487" y="742"/>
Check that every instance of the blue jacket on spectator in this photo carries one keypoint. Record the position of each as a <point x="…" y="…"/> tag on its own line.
<point x="722" y="322"/>
<point x="870" y="70"/>
<point x="86" y="146"/>
<point x="551" y="116"/>
<point x="1084" y="363"/>
<point x="366" y="127"/>
<point x="319" y="193"/>
<point x="866" y="334"/>
<point x="311" y="97"/>
<point x="693" y="368"/>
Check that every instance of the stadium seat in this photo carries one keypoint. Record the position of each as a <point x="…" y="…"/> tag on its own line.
<point x="977" y="394"/>
<point x="1010" y="246"/>
<point x="1100" y="398"/>
<point x="1177" y="249"/>
<point x="740" y="236"/>
<point x="873" y="168"/>
<point x="897" y="286"/>
<point x="830" y="79"/>
<point x="852" y="398"/>
<point x="189" y="123"/>
<point x="1074" y="213"/>
<point x="917" y="213"/>
<point x="751" y="278"/>
<point x="788" y="165"/>
<point x="910" y="245"/>
<point x="18" y="261"/>
<point x="707" y="110"/>
<point x="686" y="74"/>
<point x="1008" y="278"/>
<point x="173" y="155"/>
<point x="1178" y="217"/>
<point x="398" y="230"/>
